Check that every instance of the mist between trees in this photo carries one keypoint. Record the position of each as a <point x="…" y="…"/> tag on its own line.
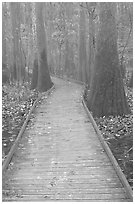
<point x="90" y="41"/>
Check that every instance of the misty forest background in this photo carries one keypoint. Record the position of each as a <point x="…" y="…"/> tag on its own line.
<point x="90" y="42"/>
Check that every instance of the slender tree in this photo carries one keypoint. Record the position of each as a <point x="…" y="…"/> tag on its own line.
<point x="3" y="36"/>
<point x="91" y="7"/>
<point x="66" y="67"/>
<point x="61" y="32"/>
<point x="5" y="77"/>
<point x="82" y="48"/>
<point x="49" y="22"/>
<point x="107" y="96"/>
<point x="17" y="52"/>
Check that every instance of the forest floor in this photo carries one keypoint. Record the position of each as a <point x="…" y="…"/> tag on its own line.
<point x="16" y="103"/>
<point x="117" y="131"/>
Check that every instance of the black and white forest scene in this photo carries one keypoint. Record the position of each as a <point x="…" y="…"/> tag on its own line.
<point x="67" y="101"/>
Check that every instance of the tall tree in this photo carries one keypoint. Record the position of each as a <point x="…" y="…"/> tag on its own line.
<point x="27" y="38"/>
<point x="125" y="33"/>
<point x="5" y="74"/>
<point x="91" y="7"/>
<point x="82" y="48"/>
<point x="49" y="30"/>
<point x="44" y="81"/>
<point x="66" y="67"/>
<point x="17" y="52"/>
<point x="3" y="35"/>
<point x="107" y="96"/>
<point x="60" y="33"/>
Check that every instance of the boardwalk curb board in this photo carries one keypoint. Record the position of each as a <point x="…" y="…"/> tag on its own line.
<point x="110" y="155"/>
<point x="13" y="148"/>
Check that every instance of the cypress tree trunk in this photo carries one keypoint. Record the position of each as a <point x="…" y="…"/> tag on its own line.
<point x="15" y="14"/>
<point x="107" y="96"/>
<point x="82" y="49"/>
<point x="66" y="67"/>
<point x="44" y="80"/>
<point x="4" y="61"/>
<point x="92" y="45"/>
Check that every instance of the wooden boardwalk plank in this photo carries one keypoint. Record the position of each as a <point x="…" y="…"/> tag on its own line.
<point x="60" y="157"/>
<point x="62" y="190"/>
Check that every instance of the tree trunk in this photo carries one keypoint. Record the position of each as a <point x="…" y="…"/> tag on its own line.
<point x="4" y="61"/>
<point x="44" y="80"/>
<point x="131" y="81"/>
<point x="60" y="70"/>
<point x="15" y="14"/>
<point x="66" y="67"/>
<point x="107" y="96"/>
<point x="92" y="41"/>
<point x="82" y="49"/>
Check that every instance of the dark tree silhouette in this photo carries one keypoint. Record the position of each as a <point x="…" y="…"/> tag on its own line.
<point x="83" y="72"/>
<point x="107" y="95"/>
<point x="44" y="81"/>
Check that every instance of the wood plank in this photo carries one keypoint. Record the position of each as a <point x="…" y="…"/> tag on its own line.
<point x="73" y="200"/>
<point x="67" y="162"/>
<point x="39" y="179"/>
<point x="73" y="185"/>
<point x="41" y="166"/>
<point x="63" y="190"/>
<point x="69" y="196"/>
<point x="69" y="175"/>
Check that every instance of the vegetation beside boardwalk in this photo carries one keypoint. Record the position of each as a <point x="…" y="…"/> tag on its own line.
<point x="16" y="104"/>
<point x="118" y="133"/>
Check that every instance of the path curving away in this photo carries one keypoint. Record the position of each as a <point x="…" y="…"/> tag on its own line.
<point x="60" y="156"/>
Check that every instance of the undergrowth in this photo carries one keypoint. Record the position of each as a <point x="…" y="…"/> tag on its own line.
<point x="118" y="133"/>
<point x="16" y="104"/>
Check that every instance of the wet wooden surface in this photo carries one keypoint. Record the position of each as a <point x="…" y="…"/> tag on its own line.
<point x="60" y="157"/>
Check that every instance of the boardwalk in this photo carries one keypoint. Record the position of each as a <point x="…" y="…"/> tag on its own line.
<point x="60" y="156"/>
